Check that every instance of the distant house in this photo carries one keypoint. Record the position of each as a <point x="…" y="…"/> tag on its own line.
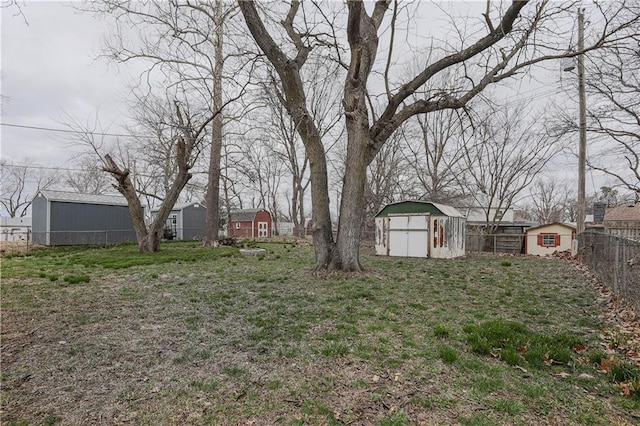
<point x="508" y="235"/>
<point x="420" y="229"/>
<point x="288" y="228"/>
<point x="14" y="228"/>
<point x="185" y="222"/>
<point x="623" y="221"/>
<point x="546" y="239"/>
<point x="67" y="218"/>
<point x="250" y="223"/>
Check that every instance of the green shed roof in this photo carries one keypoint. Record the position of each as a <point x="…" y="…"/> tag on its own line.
<point x="412" y="207"/>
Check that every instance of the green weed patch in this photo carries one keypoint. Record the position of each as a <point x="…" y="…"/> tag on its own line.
<point x="75" y="279"/>
<point x="69" y="259"/>
<point x="516" y="345"/>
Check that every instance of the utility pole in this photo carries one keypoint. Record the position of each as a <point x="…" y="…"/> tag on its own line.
<point x="582" y="147"/>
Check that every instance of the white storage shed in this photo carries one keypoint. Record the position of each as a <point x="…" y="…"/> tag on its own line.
<point x="420" y="229"/>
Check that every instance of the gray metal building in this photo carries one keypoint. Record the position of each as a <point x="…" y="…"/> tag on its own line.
<point x="62" y="218"/>
<point x="185" y="222"/>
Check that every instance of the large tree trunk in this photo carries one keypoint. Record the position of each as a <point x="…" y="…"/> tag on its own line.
<point x="149" y="238"/>
<point x="127" y="189"/>
<point x="323" y="243"/>
<point x="363" y="40"/>
<point x="212" y="223"/>
<point x="296" y="105"/>
<point x="302" y="223"/>
<point x="150" y="243"/>
<point x="347" y="254"/>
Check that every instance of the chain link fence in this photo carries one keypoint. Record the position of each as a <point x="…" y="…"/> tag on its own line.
<point x="15" y="240"/>
<point x="615" y="261"/>
<point x="79" y="238"/>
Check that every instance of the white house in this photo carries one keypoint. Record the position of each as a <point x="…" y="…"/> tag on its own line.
<point x="14" y="228"/>
<point x="475" y="211"/>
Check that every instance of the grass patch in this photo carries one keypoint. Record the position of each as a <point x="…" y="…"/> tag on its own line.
<point x="441" y="330"/>
<point x="516" y="345"/>
<point x="75" y="279"/>
<point x="448" y="354"/>
<point x="113" y="257"/>
<point x="335" y="349"/>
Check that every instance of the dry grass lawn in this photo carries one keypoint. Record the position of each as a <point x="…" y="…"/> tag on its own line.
<point x="206" y="336"/>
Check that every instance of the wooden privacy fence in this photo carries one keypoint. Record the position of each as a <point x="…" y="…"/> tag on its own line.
<point x="615" y="261"/>
<point x="495" y="243"/>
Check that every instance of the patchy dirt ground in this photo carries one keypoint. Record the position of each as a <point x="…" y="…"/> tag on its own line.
<point x="262" y="341"/>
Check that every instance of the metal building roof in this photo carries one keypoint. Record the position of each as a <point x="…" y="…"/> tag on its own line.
<point x="409" y="207"/>
<point x="76" y="197"/>
<point x="178" y="207"/>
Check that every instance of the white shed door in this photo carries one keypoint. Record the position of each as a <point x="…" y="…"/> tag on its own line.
<point x="263" y="229"/>
<point x="408" y="236"/>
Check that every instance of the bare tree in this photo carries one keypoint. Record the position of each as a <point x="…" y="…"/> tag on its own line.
<point x="183" y="43"/>
<point x="434" y="155"/>
<point x="513" y="39"/>
<point x="291" y="152"/>
<point x="87" y="176"/>
<point x="16" y="7"/>
<point x="613" y="112"/>
<point x="391" y="177"/>
<point x="20" y="182"/>
<point x="182" y="130"/>
<point x="550" y="199"/>
<point x="277" y="123"/>
<point x="502" y="156"/>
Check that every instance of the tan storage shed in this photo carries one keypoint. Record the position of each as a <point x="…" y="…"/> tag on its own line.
<point x="420" y="229"/>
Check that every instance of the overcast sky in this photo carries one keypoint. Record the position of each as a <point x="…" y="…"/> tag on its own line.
<point x="49" y="68"/>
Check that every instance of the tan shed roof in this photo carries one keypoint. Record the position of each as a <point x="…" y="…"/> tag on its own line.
<point x="624" y="212"/>
<point x="569" y="225"/>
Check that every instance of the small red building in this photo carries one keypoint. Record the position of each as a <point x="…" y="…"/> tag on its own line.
<point x="250" y="223"/>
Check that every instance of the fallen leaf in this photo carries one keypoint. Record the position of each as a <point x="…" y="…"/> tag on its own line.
<point x="606" y="364"/>
<point x="626" y="388"/>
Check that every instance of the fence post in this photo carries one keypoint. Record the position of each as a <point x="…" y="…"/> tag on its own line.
<point x="594" y="245"/>
<point x="624" y="265"/>
<point x="495" y="248"/>
<point x="616" y="260"/>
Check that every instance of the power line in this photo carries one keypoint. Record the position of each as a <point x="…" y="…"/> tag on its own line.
<point x="71" y="169"/>
<point x="77" y="132"/>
